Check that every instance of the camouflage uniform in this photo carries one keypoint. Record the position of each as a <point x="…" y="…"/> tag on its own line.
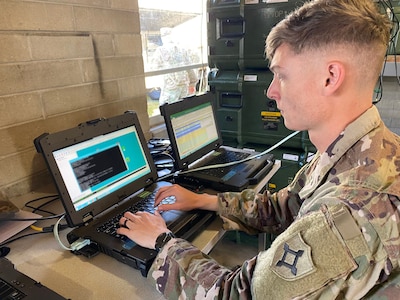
<point x="338" y="227"/>
<point x="175" y="84"/>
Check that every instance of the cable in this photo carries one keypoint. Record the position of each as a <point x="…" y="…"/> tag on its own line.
<point x="20" y="237"/>
<point x="57" y="236"/>
<point x="239" y="161"/>
<point x="39" y="208"/>
<point x="76" y="245"/>
<point x="48" y="228"/>
<point x="33" y="219"/>
<point x="36" y="228"/>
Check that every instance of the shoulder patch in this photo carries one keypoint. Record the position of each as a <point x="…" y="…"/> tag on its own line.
<point x="303" y="259"/>
<point x="292" y="259"/>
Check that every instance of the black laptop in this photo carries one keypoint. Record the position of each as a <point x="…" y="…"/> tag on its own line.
<point x="17" y="285"/>
<point x="101" y="169"/>
<point x="198" y="152"/>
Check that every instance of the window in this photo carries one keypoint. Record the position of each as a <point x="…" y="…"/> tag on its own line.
<point x="174" y="45"/>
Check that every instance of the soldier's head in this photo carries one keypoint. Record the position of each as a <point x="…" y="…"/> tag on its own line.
<point x="326" y="58"/>
<point x="330" y="24"/>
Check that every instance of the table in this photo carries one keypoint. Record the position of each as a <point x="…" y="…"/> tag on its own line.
<point x="101" y="277"/>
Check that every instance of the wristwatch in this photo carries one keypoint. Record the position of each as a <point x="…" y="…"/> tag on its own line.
<point x="162" y="239"/>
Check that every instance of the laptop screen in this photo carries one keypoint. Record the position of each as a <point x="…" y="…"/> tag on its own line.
<point x="194" y="128"/>
<point x="95" y="168"/>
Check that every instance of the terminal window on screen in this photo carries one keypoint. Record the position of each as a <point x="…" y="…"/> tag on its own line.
<point x="108" y="162"/>
<point x="97" y="168"/>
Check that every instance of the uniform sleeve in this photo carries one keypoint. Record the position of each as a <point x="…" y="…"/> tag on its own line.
<point x="251" y="212"/>
<point x="299" y="264"/>
<point x="181" y="271"/>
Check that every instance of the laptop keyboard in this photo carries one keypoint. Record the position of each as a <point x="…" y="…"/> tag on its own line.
<point x="8" y="292"/>
<point x="228" y="156"/>
<point x="146" y="204"/>
<point x="225" y="157"/>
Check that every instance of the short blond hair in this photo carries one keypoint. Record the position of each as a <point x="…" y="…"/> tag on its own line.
<point x="323" y="24"/>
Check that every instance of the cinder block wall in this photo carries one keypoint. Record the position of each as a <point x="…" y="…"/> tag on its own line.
<point x="63" y="62"/>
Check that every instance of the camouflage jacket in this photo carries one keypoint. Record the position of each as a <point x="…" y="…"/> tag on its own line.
<point x="338" y="226"/>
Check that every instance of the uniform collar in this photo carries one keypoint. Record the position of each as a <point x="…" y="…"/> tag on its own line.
<point x="323" y="162"/>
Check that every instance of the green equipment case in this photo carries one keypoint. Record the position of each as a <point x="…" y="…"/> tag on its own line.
<point x="237" y="30"/>
<point x="245" y="114"/>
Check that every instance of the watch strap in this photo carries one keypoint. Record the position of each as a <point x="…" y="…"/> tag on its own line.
<point x="162" y="239"/>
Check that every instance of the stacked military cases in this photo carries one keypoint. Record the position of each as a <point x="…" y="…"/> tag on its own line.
<point x="239" y="77"/>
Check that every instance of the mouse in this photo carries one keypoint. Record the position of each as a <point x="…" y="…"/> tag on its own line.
<point x="4" y="251"/>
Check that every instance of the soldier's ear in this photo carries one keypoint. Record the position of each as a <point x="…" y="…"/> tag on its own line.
<point x="334" y="77"/>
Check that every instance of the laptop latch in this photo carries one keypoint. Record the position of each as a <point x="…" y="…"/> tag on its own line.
<point x="87" y="218"/>
<point x="93" y="122"/>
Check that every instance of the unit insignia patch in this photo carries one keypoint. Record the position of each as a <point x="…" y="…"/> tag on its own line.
<point x="292" y="259"/>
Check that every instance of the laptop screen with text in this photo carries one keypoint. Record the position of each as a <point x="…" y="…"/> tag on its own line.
<point x="194" y="129"/>
<point x="97" y="167"/>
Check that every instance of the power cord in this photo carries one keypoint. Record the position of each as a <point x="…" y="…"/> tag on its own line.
<point x="33" y="219"/>
<point x="238" y="161"/>
<point x="39" y="208"/>
<point x="48" y="228"/>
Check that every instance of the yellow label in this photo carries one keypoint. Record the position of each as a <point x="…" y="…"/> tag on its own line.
<point x="271" y="114"/>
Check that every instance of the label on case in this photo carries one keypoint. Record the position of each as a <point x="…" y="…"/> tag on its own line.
<point x="275" y="1"/>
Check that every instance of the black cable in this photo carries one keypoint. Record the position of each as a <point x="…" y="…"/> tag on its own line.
<point x="48" y="229"/>
<point x="10" y="240"/>
<point x="39" y="208"/>
<point x="38" y="230"/>
<point x="41" y="198"/>
<point x="34" y="219"/>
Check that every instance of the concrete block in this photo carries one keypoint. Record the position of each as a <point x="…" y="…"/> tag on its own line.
<point x="18" y="78"/>
<point x="20" y="108"/>
<point x="49" y="47"/>
<point x="125" y="4"/>
<point x="117" y="108"/>
<point x="132" y="87"/>
<point x="14" y="48"/>
<point x="16" y="166"/>
<point x="19" y="138"/>
<point x="128" y="44"/>
<point x="111" y="68"/>
<point x="103" y="44"/>
<point x="23" y="15"/>
<point x="106" y="20"/>
<point x="27" y="184"/>
<point x="73" y="98"/>
<point x="93" y="3"/>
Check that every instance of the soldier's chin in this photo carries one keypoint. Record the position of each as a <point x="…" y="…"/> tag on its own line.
<point x="292" y="127"/>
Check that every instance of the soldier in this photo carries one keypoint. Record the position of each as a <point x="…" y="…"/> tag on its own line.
<point x="338" y="221"/>
<point x="176" y="85"/>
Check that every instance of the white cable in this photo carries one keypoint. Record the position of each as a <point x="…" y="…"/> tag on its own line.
<point x="57" y="236"/>
<point x="243" y="160"/>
